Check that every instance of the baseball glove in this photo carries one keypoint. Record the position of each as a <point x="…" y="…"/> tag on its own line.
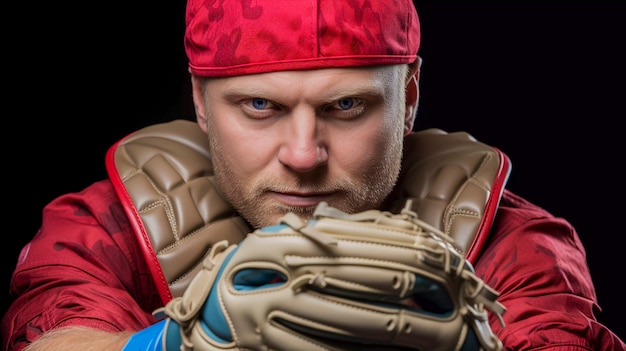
<point x="366" y="281"/>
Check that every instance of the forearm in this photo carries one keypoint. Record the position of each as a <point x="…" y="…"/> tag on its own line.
<point x="80" y="339"/>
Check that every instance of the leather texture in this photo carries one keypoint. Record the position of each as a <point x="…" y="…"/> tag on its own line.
<point x="163" y="176"/>
<point x="369" y="280"/>
<point x="456" y="183"/>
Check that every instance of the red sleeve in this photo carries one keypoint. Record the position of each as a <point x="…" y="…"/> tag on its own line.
<point x="538" y="265"/>
<point x="83" y="268"/>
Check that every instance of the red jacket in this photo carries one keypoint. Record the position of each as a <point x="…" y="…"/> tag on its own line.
<point x="84" y="268"/>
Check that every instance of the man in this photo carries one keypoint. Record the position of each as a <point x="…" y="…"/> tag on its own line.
<point x="300" y="105"/>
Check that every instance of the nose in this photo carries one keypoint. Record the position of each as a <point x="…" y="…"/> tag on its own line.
<point x="303" y="148"/>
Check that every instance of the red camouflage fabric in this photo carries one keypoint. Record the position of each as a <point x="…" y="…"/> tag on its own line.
<point x="226" y="38"/>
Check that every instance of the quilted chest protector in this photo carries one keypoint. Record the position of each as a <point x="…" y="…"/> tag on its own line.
<point x="164" y="179"/>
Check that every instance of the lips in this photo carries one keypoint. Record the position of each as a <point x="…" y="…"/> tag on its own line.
<point x="301" y="199"/>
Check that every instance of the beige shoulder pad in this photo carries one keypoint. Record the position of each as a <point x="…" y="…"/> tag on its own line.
<point x="164" y="178"/>
<point x="455" y="182"/>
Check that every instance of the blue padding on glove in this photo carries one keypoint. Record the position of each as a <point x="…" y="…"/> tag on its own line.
<point x="212" y="317"/>
<point x="273" y="228"/>
<point x="149" y="339"/>
<point x="213" y="320"/>
<point x="173" y="338"/>
<point x="255" y="279"/>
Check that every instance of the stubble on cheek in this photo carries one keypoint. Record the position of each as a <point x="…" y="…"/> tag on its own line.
<point x="232" y="185"/>
<point x="359" y="192"/>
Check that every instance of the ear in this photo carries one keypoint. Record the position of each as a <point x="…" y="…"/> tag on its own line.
<point x="198" y="102"/>
<point x="412" y="95"/>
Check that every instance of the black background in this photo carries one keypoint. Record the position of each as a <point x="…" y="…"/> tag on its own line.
<point x="542" y="81"/>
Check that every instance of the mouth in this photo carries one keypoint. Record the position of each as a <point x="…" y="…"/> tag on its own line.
<point x="301" y="199"/>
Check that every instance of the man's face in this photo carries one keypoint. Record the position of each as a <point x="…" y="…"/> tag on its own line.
<point x="284" y="141"/>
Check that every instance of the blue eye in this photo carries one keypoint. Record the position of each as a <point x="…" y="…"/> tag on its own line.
<point x="346" y="103"/>
<point x="259" y="103"/>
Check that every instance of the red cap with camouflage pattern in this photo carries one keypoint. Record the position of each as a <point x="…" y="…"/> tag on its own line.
<point x="238" y="37"/>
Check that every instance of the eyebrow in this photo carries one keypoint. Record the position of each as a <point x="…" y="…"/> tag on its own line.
<point x="354" y="90"/>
